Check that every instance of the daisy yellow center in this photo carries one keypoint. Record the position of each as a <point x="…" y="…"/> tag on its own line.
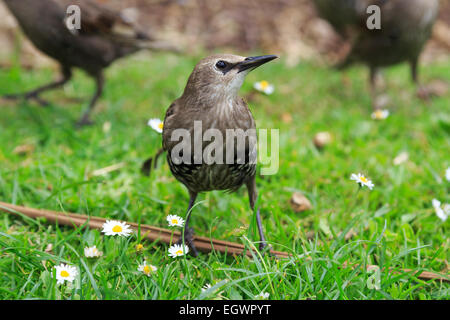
<point x="379" y="114"/>
<point x="161" y="125"/>
<point x="64" y="274"/>
<point x="174" y="221"/>
<point x="364" y="179"/>
<point x="264" y="84"/>
<point x="179" y="252"/>
<point x="117" y="228"/>
<point x="146" y="269"/>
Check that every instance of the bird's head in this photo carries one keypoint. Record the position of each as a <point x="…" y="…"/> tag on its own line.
<point x="221" y="76"/>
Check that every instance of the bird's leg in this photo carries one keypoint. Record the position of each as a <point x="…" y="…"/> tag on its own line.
<point x="379" y="101"/>
<point x="34" y="94"/>
<point x="84" y="120"/>
<point x="252" y="196"/>
<point x="373" y="86"/>
<point x="189" y="232"/>
<point x="422" y="91"/>
<point x="373" y="82"/>
<point x="414" y="74"/>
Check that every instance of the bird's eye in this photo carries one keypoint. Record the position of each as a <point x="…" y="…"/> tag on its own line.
<point x="221" y="64"/>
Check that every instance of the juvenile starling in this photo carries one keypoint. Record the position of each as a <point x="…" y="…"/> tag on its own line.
<point x="104" y="36"/>
<point x="405" y="28"/>
<point x="211" y="99"/>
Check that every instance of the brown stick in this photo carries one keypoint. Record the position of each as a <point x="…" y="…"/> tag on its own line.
<point x="152" y="233"/>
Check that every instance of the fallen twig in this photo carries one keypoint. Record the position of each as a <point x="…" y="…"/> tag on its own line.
<point x="152" y="233"/>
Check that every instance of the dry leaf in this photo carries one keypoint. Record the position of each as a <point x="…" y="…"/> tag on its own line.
<point x="401" y="158"/>
<point x="106" y="127"/>
<point x="24" y="149"/>
<point x="299" y="202"/>
<point x="105" y="170"/>
<point x="286" y="117"/>
<point x="322" y="139"/>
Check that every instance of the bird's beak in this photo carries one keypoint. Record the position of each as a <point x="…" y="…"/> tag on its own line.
<point x="254" y="62"/>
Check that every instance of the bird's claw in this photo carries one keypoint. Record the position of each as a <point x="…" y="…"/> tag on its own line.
<point x="424" y="93"/>
<point x="28" y="96"/>
<point x="189" y="241"/>
<point x="39" y="100"/>
<point x="84" y="121"/>
<point x="265" y="247"/>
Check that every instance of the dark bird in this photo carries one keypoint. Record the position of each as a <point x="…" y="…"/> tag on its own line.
<point x="406" y="26"/>
<point x="104" y="36"/>
<point x="211" y="98"/>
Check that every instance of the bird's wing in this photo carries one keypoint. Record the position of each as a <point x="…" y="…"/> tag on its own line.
<point x="119" y="27"/>
<point x="97" y="19"/>
<point x="170" y="123"/>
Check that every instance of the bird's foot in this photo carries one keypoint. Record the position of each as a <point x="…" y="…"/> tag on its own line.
<point x="265" y="247"/>
<point x="27" y="96"/>
<point x="12" y="96"/>
<point x="423" y="93"/>
<point x="39" y="100"/>
<point x="381" y="102"/>
<point x="84" y="121"/>
<point x="436" y="88"/>
<point x="189" y="241"/>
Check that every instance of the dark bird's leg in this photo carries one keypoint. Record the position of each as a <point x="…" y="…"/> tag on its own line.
<point x="99" y="81"/>
<point x="379" y="101"/>
<point x="252" y="196"/>
<point x="422" y="91"/>
<point x="34" y="94"/>
<point x="373" y="85"/>
<point x="147" y="165"/>
<point x="189" y="232"/>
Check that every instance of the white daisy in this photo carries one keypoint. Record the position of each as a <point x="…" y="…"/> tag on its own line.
<point x="147" y="269"/>
<point x="447" y="174"/>
<point x="175" y="221"/>
<point x="113" y="227"/>
<point x="64" y="272"/>
<point x="380" y="114"/>
<point x="441" y="212"/>
<point x="156" y="124"/>
<point x="92" y="252"/>
<point x="262" y="296"/>
<point x="177" y="250"/>
<point x="362" y="180"/>
<point x="264" y="86"/>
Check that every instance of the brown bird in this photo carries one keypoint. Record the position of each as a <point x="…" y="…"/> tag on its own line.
<point x="103" y="37"/>
<point x="211" y="98"/>
<point x="406" y="26"/>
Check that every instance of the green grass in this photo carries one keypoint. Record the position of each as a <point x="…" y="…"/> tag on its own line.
<point x="395" y="225"/>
